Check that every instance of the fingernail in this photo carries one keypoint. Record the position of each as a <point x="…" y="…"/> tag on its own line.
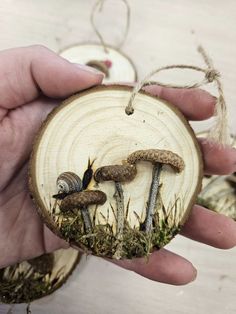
<point x="89" y="69"/>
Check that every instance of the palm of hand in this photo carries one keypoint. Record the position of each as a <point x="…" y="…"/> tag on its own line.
<point x="22" y="231"/>
<point x="31" y="80"/>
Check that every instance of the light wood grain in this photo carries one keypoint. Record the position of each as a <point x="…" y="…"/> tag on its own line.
<point x="93" y="126"/>
<point x="160" y="34"/>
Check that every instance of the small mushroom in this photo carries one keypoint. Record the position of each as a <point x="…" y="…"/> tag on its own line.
<point x="100" y="65"/>
<point x="118" y="174"/>
<point x="81" y="200"/>
<point x="158" y="158"/>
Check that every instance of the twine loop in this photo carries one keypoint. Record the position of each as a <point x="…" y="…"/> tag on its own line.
<point x="219" y="132"/>
<point x="99" y="5"/>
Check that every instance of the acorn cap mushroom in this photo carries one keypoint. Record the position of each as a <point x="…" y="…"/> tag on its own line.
<point x="102" y="66"/>
<point x="117" y="173"/>
<point x="83" y="199"/>
<point x="158" y="156"/>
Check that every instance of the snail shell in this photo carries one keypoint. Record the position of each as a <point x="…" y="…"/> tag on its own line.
<point x="69" y="182"/>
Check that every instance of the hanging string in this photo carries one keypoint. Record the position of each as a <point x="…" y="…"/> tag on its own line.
<point x="99" y="6"/>
<point x="219" y="132"/>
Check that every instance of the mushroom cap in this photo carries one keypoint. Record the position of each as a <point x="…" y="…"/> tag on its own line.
<point x="117" y="173"/>
<point x="83" y="199"/>
<point x="99" y="65"/>
<point x="158" y="156"/>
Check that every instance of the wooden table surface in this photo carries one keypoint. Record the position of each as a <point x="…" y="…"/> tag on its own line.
<point x="160" y="34"/>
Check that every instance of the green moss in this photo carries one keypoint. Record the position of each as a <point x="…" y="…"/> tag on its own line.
<point x="42" y="264"/>
<point x="24" y="286"/>
<point x="24" y="290"/>
<point x="135" y="242"/>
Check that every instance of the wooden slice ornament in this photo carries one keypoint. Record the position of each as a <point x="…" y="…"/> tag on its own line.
<point x="34" y="279"/>
<point x="137" y="158"/>
<point x="115" y="65"/>
<point x="219" y="192"/>
<point x="141" y="173"/>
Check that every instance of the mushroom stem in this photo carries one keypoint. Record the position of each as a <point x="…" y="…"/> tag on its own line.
<point x="119" y="196"/>
<point x="86" y="219"/>
<point x="152" y="199"/>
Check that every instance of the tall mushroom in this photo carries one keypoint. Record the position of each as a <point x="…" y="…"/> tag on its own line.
<point x="157" y="157"/>
<point x="81" y="200"/>
<point x="118" y="174"/>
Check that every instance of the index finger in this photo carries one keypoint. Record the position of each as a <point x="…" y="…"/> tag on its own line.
<point x="195" y="104"/>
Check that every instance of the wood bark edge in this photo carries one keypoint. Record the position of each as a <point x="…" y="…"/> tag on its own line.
<point x="43" y="212"/>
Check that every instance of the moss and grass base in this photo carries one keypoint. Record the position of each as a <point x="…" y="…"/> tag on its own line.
<point x="103" y="241"/>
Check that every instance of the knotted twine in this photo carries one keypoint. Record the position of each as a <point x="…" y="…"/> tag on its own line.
<point x="219" y="132"/>
<point x="99" y="5"/>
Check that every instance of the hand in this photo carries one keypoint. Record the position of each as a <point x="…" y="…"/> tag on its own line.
<point x="203" y="225"/>
<point x="32" y="80"/>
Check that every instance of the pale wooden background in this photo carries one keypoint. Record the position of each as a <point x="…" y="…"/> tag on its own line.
<point x="160" y="34"/>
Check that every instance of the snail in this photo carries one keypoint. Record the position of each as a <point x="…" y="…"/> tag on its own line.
<point x="68" y="182"/>
<point x="88" y="174"/>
